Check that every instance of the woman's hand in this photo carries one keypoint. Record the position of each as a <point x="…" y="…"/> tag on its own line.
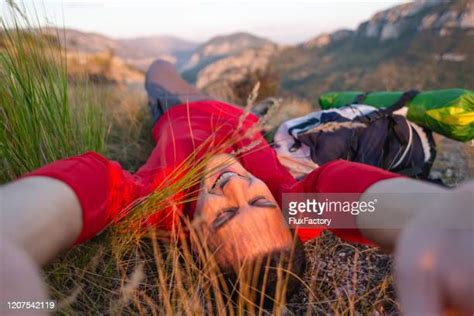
<point x="435" y="259"/>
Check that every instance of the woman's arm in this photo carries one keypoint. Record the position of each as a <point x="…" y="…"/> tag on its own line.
<point x="398" y="201"/>
<point x="40" y="215"/>
<point x="50" y="209"/>
<point x="431" y="229"/>
<point x="68" y="201"/>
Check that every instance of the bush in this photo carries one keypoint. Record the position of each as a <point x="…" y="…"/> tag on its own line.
<point x="269" y="85"/>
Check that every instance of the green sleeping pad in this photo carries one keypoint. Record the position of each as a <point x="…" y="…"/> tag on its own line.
<point x="449" y="112"/>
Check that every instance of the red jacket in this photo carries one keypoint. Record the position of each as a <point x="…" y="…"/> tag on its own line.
<point x="104" y="188"/>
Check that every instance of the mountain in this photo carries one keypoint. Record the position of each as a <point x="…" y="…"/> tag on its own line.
<point x="242" y="51"/>
<point x="138" y="52"/>
<point x="216" y="78"/>
<point x="92" y="56"/>
<point x="82" y="42"/>
<point x="422" y="45"/>
<point x="219" y="48"/>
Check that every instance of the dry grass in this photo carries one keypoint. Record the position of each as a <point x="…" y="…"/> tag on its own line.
<point x="102" y="67"/>
<point x="346" y="279"/>
<point x="129" y="138"/>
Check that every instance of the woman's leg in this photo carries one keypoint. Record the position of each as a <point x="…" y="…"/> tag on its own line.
<point x="166" y="88"/>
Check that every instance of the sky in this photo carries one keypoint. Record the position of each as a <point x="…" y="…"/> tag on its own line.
<point x="283" y="21"/>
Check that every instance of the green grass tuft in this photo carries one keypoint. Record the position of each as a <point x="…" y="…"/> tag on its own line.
<point x="42" y="120"/>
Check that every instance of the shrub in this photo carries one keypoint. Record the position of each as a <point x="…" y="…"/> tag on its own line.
<point x="269" y="85"/>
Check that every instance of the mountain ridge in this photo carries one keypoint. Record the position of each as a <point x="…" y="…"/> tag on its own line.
<point x="220" y="47"/>
<point x="138" y="52"/>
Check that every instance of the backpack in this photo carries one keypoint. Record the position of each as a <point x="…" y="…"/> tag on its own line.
<point x="360" y="133"/>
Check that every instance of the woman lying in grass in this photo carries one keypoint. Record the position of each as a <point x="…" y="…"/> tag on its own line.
<point x="211" y="165"/>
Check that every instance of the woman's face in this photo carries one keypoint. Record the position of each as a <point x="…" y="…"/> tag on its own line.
<point x="237" y="214"/>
